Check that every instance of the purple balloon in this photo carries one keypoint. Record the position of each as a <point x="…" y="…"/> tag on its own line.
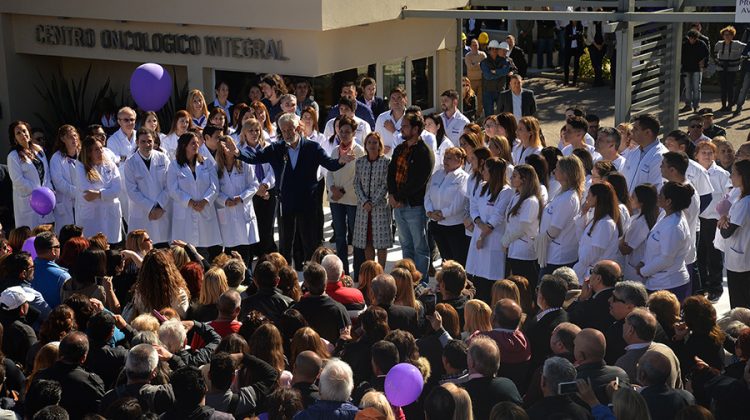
<point x="42" y="201"/>
<point x="403" y="384"/>
<point x="28" y="246"/>
<point x="150" y="86"/>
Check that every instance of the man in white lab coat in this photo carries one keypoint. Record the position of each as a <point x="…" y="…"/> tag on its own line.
<point x="122" y="144"/>
<point x="643" y="164"/>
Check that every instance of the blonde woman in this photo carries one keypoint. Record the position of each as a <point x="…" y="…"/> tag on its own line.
<point x="405" y="291"/>
<point x="214" y="284"/>
<point x="196" y="106"/>
<point x="505" y="289"/>
<point x="234" y="204"/>
<point x="98" y="188"/>
<point x="477" y="318"/>
<point x="181" y="124"/>
<point x="374" y="405"/>
<point x="529" y="134"/>
<point x="464" y="410"/>
<point x="62" y="168"/>
<point x="28" y="170"/>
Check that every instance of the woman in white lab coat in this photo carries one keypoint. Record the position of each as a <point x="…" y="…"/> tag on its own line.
<point x="529" y="133"/>
<point x="475" y="163"/>
<point x="668" y="244"/>
<point x="181" y="124"/>
<point x="556" y="232"/>
<point x="633" y="243"/>
<point x="193" y="186"/>
<point x="598" y="231"/>
<point x="486" y="258"/>
<point x="27" y="167"/>
<point x="62" y="168"/>
<point x="234" y="204"/>
<point x="145" y="173"/>
<point x="98" y="188"/>
<point x="735" y="230"/>
<point x="445" y="203"/>
<point x="522" y="225"/>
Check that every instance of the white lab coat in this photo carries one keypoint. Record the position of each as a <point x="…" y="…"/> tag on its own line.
<point x="390" y="140"/>
<point x="519" y="153"/>
<point x="454" y="127"/>
<point x="721" y="183"/>
<point x="147" y="187"/>
<point x="169" y="144"/>
<point x="63" y="174"/>
<point x="25" y="179"/>
<point x="102" y="214"/>
<point x="363" y="129"/>
<point x="647" y="169"/>
<point x="489" y="262"/>
<point x="237" y="223"/>
<point x="736" y="258"/>
<point x="599" y="243"/>
<point x="558" y="214"/>
<point x="666" y="248"/>
<point x="123" y="147"/>
<point x="447" y="192"/>
<point x="203" y="151"/>
<point x="525" y="225"/>
<point x="635" y="237"/>
<point x="198" y="228"/>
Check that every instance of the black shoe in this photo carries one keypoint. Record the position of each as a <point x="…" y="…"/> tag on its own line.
<point x="714" y="296"/>
<point x="737" y="112"/>
<point x="685" y="108"/>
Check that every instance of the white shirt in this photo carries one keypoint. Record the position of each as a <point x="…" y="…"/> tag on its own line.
<point x="122" y="145"/>
<point x="523" y="247"/>
<point x="389" y="139"/>
<point x="736" y="246"/>
<point x="568" y="150"/>
<point x="446" y="192"/>
<point x="666" y="248"/>
<point x="643" y="167"/>
<point x="519" y="153"/>
<point x="225" y="108"/>
<point x="599" y="243"/>
<point x="516" y="105"/>
<point x="558" y="214"/>
<point x="698" y="177"/>
<point x="691" y="216"/>
<point x="454" y="126"/>
<point x="635" y="237"/>
<point x="619" y="163"/>
<point x="721" y="183"/>
<point x="363" y="129"/>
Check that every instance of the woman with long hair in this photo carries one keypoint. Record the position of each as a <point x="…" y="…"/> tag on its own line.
<point x="372" y="223"/>
<point x="214" y="284"/>
<point x="475" y="167"/>
<point x="196" y="106"/>
<point x="368" y="271"/>
<point x="507" y="126"/>
<point x="434" y="124"/>
<point x="598" y="232"/>
<point x="477" y="317"/>
<point x="486" y="257"/>
<point x="666" y="308"/>
<point x="374" y="322"/>
<point x="464" y="410"/>
<point x="151" y="121"/>
<point x="699" y="335"/>
<point x="159" y="285"/>
<point x="645" y="214"/>
<point x="193" y="185"/>
<point x="98" y="186"/>
<point x="218" y="118"/>
<point x="405" y="291"/>
<point x="522" y="224"/>
<point x="235" y="210"/>
<point x="62" y="168"/>
<point x="273" y="88"/>
<point x="556" y="233"/>
<point x="446" y="202"/>
<point x="735" y="230"/>
<point x="303" y="90"/>
<point x="71" y="250"/>
<point x="181" y="124"/>
<point x="663" y="264"/>
<point x="307" y="339"/>
<point x="267" y="345"/>
<point x="89" y="277"/>
<point x="28" y="170"/>
<point x="261" y="113"/>
<point x="469" y="99"/>
<point x="529" y="133"/>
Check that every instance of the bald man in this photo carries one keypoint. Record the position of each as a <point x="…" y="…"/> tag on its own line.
<point x="663" y="402"/>
<point x="514" y="348"/>
<point x="591" y="310"/>
<point x="307" y="367"/>
<point x="561" y="343"/>
<point x="589" y="348"/>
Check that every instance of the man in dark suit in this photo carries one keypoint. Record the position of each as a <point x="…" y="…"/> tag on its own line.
<point x="558" y="370"/>
<point x="295" y="162"/>
<point x="588" y="348"/>
<point x="268" y="300"/>
<point x="518" y="101"/>
<point x="517" y="55"/>
<point x="538" y="329"/>
<point x="486" y="390"/>
<point x="349" y="90"/>
<point x="323" y="314"/>
<point x="376" y="104"/>
<point x="591" y="310"/>
<point x="383" y="288"/>
<point x="663" y="401"/>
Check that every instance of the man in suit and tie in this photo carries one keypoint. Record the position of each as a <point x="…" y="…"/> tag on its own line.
<point x="517" y="100"/>
<point x="591" y="310"/>
<point x="538" y="329"/>
<point x="383" y="293"/>
<point x="663" y="402"/>
<point x="295" y="163"/>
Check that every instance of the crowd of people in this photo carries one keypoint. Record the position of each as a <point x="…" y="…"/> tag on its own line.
<point x="577" y="275"/>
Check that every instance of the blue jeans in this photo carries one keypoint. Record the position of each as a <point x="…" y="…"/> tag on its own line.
<point x="693" y="88"/>
<point x="342" y="216"/>
<point x="544" y="46"/>
<point x="489" y="99"/>
<point x="412" y="232"/>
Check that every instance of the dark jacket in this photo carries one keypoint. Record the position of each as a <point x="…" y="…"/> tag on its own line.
<point x="6" y="199"/>
<point x="308" y="392"/>
<point x="196" y="413"/>
<point x="328" y="410"/>
<point x="203" y="313"/>
<point x="538" y="334"/>
<point x="357" y="354"/>
<point x="324" y="315"/>
<point x="18" y="336"/>
<point x="457" y="304"/>
<point x="421" y="162"/>
<point x="485" y="392"/>
<point x="570" y="37"/>
<point x="201" y="356"/>
<point x="362" y="111"/>
<point x="402" y="318"/>
<point x="519" y="58"/>
<point x="106" y="361"/>
<point x="528" y="102"/>
<point x="496" y="82"/>
<point x="379" y="106"/>
<point x="252" y="398"/>
<point x="616" y="344"/>
<point x="82" y="391"/>
<point x="298" y="184"/>
<point x="593" y="312"/>
<point x="693" y="55"/>
<point x="559" y="406"/>
<point x="664" y="402"/>
<point x="600" y="375"/>
<point x="156" y="398"/>
<point x="270" y="302"/>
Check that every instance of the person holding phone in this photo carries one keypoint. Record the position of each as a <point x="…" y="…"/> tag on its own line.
<point x="558" y="387"/>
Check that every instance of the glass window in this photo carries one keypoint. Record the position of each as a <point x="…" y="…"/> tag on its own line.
<point x="394" y="75"/>
<point x="422" y="82"/>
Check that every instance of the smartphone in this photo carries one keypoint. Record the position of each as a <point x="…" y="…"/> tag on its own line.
<point x="429" y="302"/>
<point x="158" y="316"/>
<point x="564" y="388"/>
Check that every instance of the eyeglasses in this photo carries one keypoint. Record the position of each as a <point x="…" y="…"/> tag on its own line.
<point x="146" y="239"/>
<point x="127" y="119"/>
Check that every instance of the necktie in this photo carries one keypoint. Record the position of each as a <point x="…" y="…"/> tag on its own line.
<point x="259" y="172"/>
